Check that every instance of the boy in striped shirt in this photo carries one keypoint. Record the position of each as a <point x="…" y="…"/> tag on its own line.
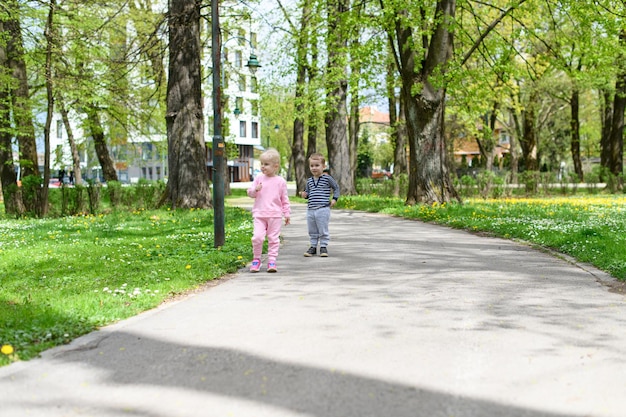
<point x="318" y="191"/>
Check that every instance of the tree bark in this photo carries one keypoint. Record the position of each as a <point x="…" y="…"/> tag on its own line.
<point x="429" y="177"/>
<point x="188" y="182"/>
<point x="78" y="176"/>
<point x="396" y="123"/>
<point x="616" y="143"/>
<point x="99" y="141"/>
<point x="353" y="130"/>
<point x="336" y="98"/>
<point x="11" y="193"/>
<point x="528" y="140"/>
<point x="607" y="123"/>
<point x="297" y="146"/>
<point x="19" y="95"/>
<point x="575" y="128"/>
<point x="50" y="46"/>
<point x="312" y="112"/>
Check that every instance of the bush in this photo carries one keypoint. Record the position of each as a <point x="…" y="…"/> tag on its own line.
<point x="467" y="186"/>
<point x="530" y="179"/>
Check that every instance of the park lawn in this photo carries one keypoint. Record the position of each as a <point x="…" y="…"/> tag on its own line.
<point x="591" y="229"/>
<point x="62" y="278"/>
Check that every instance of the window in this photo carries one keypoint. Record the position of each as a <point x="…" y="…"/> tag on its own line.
<point x="158" y="172"/>
<point x="242" y="129"/>
<point x="255" y="130"/>
<point x="147" y="151"/>
<point x="242" y="37"/>
<point x="59" y="129"/>
<point x="254" y="104"/>
<point x="242" y="83"/>
<point x="253" y="40"/>
<point x="238" y="59"/>
<point x="505" y="138"/>
<point x="239" y="104"/>
<point x="210" y="126"/>
<point x="254" y="84"/>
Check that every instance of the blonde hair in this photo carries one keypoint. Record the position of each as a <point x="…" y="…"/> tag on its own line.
<point x="270" y="155"/>
<point x="318" y="156"/>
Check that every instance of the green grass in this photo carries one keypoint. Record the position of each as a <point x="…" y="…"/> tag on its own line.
<point x="61" y="278"/>
<point x="591" y="229"/>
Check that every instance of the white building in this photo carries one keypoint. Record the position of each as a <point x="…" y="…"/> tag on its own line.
<point x="145" y="157"/>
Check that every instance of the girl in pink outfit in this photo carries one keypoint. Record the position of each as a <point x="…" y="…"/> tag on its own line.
<point x="271" y="204"/>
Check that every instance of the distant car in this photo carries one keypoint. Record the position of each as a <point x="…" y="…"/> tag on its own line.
<point x="381" y="174"/>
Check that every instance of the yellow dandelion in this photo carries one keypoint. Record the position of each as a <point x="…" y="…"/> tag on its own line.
<point x="187" y="266"/>
<point x="7" y="349"/>
<point x="239" y="257"/>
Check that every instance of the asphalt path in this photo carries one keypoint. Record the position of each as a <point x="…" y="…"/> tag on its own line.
<point x="403" y="319"/>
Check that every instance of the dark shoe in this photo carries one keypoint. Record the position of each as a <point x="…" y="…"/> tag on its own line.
<point x="323" y="252"/>
<point x="311" y="252"/>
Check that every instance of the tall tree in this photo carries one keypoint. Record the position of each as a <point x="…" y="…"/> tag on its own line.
<point x="51" y="41"/>
<point x="421" y="68"/>
<point x="188" y="184"/>
<point x="336" y="95"/>
<point x="421" y="35"/>
<point x="19" y="93"/>
<point x="11" y="193"/>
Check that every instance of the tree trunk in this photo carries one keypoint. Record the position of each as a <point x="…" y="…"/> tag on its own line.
<point x="353" y="131"/>
<point x="429" y="176"/>
<point x="616" y="143"/>
<point x="11" y="193"/>
<point x="336" y="98"/>
<point x="297" y="147"/>
<point x="19" y="95"/>
<point x="575" y="127"/>
<point x="528" y="141"/>
<point x="313" y="120"/>
<point x="487" y="144"/>
<point x="99" y="141"/>
<point x="607" y="123"/>
<point x="50" y="46"/>
<point x="78" y="176"/>
<point x="354" y="122"/>
<point x="515" y="134"/>
<point x="188" y="181"/>
<point x="396" y="118"/>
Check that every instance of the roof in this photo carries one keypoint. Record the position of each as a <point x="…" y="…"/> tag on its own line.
<point x="373" y="115"/>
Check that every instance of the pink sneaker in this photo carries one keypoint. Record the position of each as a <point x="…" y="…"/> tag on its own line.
<point x="256" y="265"/>
<point x="271" y="266"/>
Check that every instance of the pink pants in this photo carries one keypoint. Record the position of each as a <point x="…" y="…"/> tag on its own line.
<point x="270" y="227"/>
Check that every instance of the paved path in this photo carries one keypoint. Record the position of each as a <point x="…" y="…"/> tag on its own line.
<point x="404" y="319"/>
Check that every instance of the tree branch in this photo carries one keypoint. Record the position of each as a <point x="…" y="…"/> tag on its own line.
<point x="491" y="27"/>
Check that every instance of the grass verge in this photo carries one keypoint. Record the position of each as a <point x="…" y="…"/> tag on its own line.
<point x="61" y="278"/>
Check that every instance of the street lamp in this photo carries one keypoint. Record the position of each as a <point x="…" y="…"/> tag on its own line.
<point x="276" y="129"/>
<point x="218" y="140"/>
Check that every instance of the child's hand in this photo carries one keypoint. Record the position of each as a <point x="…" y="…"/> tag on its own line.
<point x="287" y="221"/>
<point x="333" y="202"/>
<point x="259" y="186"/>
<point x="303" y="194"/>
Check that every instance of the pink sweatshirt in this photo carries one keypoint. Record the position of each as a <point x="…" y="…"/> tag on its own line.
<point x="272" y="200"/>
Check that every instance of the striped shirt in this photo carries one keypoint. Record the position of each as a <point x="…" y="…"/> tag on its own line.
<point x="319" y="190"/>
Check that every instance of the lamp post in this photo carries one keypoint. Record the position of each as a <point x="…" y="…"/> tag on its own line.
<point x="218" y="140"/>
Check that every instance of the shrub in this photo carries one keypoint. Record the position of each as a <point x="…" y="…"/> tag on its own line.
<point x="530" y="179"/>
